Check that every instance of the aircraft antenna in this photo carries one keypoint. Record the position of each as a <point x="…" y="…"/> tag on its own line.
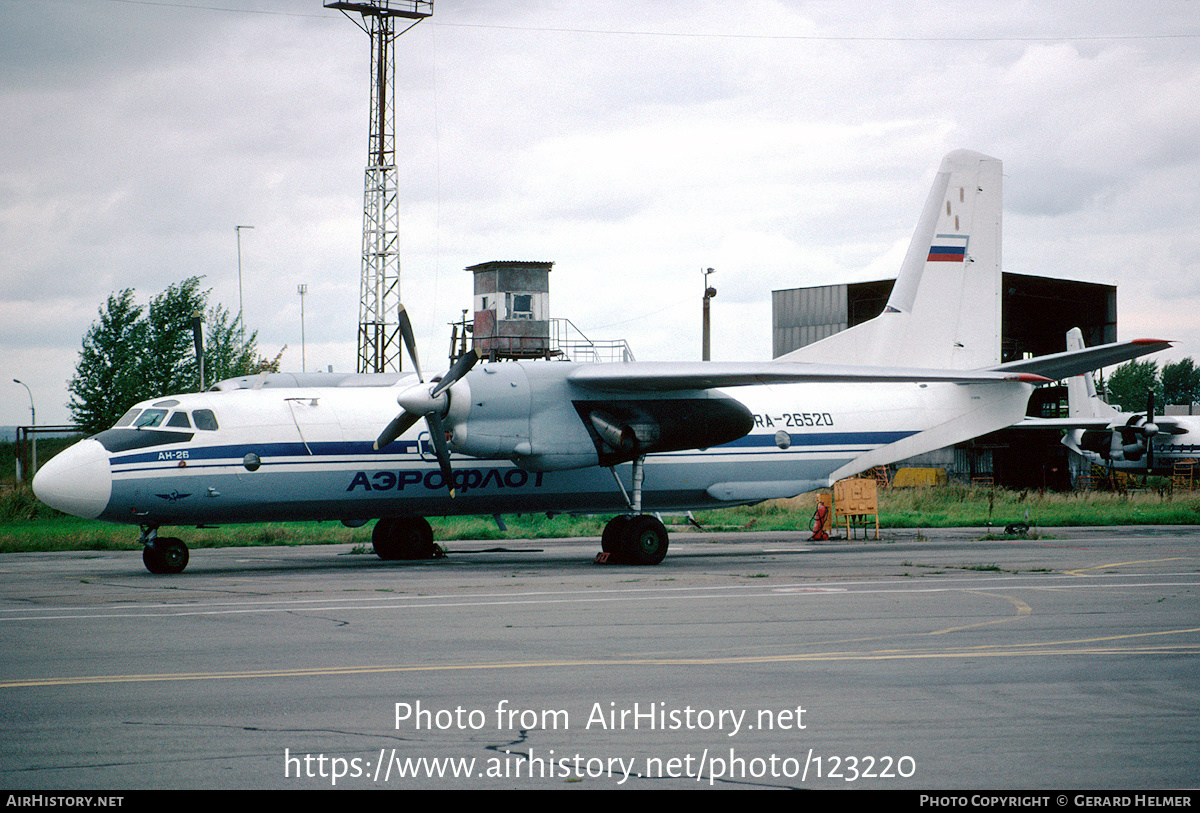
<point x="379" y="340"/>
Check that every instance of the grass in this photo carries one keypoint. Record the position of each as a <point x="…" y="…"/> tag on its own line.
<point x="961" y="506"/>
<point x="26" y="525"/>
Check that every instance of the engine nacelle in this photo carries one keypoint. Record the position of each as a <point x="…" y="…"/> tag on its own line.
<point x="514" y="412"/>
<point x="531" y="414"/>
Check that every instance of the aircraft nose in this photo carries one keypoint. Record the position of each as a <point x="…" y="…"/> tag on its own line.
<point x="76" y="481"/>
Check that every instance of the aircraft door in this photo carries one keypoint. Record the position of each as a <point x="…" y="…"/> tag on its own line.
<point x="316" y="423"/>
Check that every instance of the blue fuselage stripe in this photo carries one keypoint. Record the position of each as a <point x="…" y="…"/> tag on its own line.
<point x="363" y="452"/>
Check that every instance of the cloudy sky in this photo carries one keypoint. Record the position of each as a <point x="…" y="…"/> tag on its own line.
<point x="782" y="143"/>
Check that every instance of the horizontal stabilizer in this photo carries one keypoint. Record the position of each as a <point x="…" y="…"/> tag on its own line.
<point x="1074" y="362"/>
<point x="1086" y="410"/>
<point x="1164" y="424"/>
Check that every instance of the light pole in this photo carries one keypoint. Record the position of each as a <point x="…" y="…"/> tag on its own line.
<point x="198" y="338"/>
<point x="706" y="341"/>
<point x="302" y="289"/>
<point x="241" y="318"/>
<point x="33" y="419"/>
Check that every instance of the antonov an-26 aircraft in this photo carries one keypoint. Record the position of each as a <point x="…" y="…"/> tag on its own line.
<point x="627" y="438"/>
<point x="1102" y="434"/>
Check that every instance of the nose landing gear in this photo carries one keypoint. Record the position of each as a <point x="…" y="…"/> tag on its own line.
<point x="163" y="555"/>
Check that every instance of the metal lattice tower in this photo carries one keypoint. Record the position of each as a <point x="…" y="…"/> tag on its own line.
<point x="379" y="343"/>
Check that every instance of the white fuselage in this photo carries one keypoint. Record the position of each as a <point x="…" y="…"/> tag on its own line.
<point x="306" y="454"/>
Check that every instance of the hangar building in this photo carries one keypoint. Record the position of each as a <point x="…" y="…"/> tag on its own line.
<point x="1035" y="314"/>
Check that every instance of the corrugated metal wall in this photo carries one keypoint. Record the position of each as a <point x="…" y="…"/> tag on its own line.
<point x="805" y="315"/>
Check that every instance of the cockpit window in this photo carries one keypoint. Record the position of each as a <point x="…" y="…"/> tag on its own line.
<point x="180" y="421"/>
<point x="127" y="418"/>
<point x="150" y="418"/>
<point x="205" y="419"/>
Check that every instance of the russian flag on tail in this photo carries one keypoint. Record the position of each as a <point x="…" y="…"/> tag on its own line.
<point x="948" y="248"/>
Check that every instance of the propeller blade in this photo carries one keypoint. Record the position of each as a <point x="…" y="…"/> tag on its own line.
<point x="399" y="425"/>
<point x="410" y="342"/>
<point x="461" y="367"/>
<point x="421" y="400"/>
<point x="1150" y="430"/>
<point x="437" y="432"/>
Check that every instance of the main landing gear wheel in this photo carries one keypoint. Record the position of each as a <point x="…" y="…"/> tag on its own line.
<point x="165" y="555"/>
<point x="635" y="540"/>
<point x="403" y="538"/>
<point x="614" y="533"/>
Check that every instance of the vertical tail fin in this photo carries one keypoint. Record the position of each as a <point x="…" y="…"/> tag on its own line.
<point x="944" y="310"/>
<point x="1082" y="400"/>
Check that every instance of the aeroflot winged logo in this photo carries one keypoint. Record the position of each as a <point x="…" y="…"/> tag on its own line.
<point x="948" y="248"/>
<point x="174" y="496"/>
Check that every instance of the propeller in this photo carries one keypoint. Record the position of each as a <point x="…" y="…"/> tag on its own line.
<point x="1135" y="437"/>
<point x="1149" y="429"/>
<point x="429" y="402"/>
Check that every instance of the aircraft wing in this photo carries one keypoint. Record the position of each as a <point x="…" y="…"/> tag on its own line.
<point x="666" y="376"/>
<point x="1075" y="362"/>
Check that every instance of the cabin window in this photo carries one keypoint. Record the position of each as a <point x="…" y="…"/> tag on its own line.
<point x="150" y="418"/>
<point x="205" y="419"/>
<point x="127" y="418"/>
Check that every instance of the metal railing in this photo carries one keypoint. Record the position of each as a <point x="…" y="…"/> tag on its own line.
<point x="563" y="342"/>
<point x="567" y="343"/>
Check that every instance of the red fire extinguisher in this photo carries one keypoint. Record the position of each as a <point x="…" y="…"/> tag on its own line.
<point x="818" y="522"/>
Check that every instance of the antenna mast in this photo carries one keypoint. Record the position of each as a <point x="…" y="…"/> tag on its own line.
<point x="379" y="348"/>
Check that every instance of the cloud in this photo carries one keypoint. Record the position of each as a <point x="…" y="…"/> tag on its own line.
<point x="787" y="144"/>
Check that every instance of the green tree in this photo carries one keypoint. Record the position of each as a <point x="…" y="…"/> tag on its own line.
<point x="130" y="355"/>
<point x="1129" y="383"/>
<point x="227" y="353"/>
<point x="108" y="378"/>
<point x="1181" y="382"/>
<point x="169" y="363"/>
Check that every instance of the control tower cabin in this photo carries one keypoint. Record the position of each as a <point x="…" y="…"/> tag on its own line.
<point x="512" y="310"/>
